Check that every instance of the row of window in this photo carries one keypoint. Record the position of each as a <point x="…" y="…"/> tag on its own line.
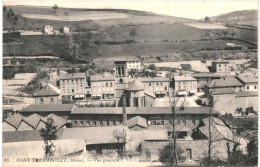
<point x="72" y="90"/>
<point x="186" y="82"/>
<point x="163" y="122"/>
<point x="248" y="87"/>
<point x="81" y="85"/>
<point x="84" y="123"/>
<point x="73" y="80"/>
<point x="102" y="84"/>
<point x="157" y="84"/>
<point x="101" y="90"/>
<point x="51" y="99"/>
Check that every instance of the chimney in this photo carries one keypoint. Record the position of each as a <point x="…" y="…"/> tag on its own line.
<point x="124" y="110"/>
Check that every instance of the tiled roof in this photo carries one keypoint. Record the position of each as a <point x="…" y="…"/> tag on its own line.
<point x="102" y="78"/>
<point x="227" y="82"/>
<point x="184" y="78"/>
<point x="14" y="120"/>
<point x="94" y="135"/>
<point x="59" y="122"/>
<point x="49" y="90"/>
<point x="139" y="110"/>
<point x="135" y="85"/>
<point x="247" y="94"/>
<point x="137" y="120"/>
<point x="27" y="135"/>
<point x="73" y="76"/>
<point x="220" y="91"/>
<point x="206" y="76"/>
<point x="247" y="79"/>
<point x="33" y="120"/>
<point x="48" y="108"/>
<point x="219" y="130"/>
<point x="155" y="79"/>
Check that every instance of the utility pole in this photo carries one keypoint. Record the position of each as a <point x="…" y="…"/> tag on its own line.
<point x="210" y="139"/>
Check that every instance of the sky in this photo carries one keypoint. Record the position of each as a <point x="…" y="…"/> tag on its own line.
<point x="194" y="9"/>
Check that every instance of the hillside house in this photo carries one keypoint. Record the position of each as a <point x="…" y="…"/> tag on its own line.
<point x="48" y="29"/>
<point x="48" y="95"/>
<point x="221" y="67"/>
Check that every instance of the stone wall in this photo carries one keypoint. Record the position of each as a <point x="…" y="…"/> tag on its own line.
<point x="228" y="103"/>
<point x="199" y="149"/>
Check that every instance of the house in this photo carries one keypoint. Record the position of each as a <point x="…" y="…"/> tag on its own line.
<point x="137" y="123"/>
<point x="48" y="95"/>
<point x="221" y="67"/>
<point x="195" y="147"/>
<point x="48" y="29"/>
<point x="227" y="82"/>
<point x="250" y="83"/>
<point x="102" y="86"/>
<point x="204" y="80"/>
<point x="65" y="30"/>
<point x="159" y="86"/>
<point x="73" y="86"/>
<point x="185" y="83"/>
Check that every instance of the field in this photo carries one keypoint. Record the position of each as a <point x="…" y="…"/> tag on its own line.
<point x="78" y="16"/>
<point x="207" y="26"/>
<point x="157" y="32"/>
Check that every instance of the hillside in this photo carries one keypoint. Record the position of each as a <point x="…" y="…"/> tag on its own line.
<point x="245" y="17"/>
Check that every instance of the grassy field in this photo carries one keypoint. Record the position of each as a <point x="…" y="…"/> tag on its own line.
<point x="157" y="32"/>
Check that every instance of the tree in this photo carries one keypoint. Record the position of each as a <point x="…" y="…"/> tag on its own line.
<point x="167" y="154"/>
<point x="133" y="33"/>
<point x="252" y="148"/>
<point x="10" y="12"/>
<point x="225" y="33"/>
<point x="250" y="110"/>
<point x="240" y="111"/>
<point x="55" y="7"/>
<point x="48" y="134"/>
<point x="4" y="8"/>
<point x="121" y="137"/>
<point x="207" y="19"/>
<point x="152" y="67"/>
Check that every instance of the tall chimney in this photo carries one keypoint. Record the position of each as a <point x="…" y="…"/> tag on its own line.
<point x="124" y="110"/>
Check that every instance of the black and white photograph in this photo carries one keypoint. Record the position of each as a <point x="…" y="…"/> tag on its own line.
<point x="129" y="83"/>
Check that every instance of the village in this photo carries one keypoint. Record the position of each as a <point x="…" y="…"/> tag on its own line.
<point x="129" y="108"/>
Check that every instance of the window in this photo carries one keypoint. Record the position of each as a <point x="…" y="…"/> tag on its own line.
<point x="247" y="87"/>
<point x="52" y="100"/>
<point x="157" y="83"/>
<point x="153" y="123"/>
<point x="219" y="65"/>
<point x="184" y="122"/>
<point x="165" y="88"/>
<point x="88" y="123"/>
<point x="162" y="122"/>
<point x="150" y="84"/>
<point x="41" y="100"/>
<point x="255" y="87"/>
<point x="194" y="122"/>
<point x="111" y="84"/>
<point x="121" y="80"/>
<point x="161" y="83"/>
<point x="94" y="123"/>
<point x="72" y="90"/>
<point x="106" y="84"/>
<point x="171" y="122"/>
<point x="76" y="80"/>
<point x="101" y="123"/>
<point x="80" y="123"/>
<point x="107" y="123"/>
<point x="75" y="123"/>
<point x="114" y="123"/>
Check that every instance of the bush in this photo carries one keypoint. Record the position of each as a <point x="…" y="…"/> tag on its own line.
<point x="167" y="154"/>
